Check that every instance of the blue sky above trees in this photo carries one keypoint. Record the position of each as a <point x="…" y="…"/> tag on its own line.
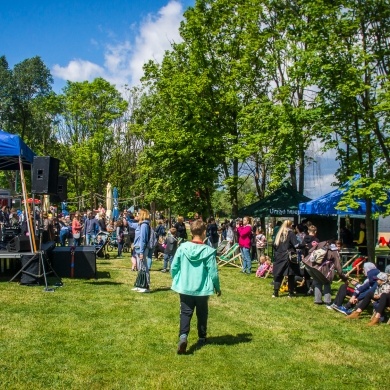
<point x="80" y="40"/>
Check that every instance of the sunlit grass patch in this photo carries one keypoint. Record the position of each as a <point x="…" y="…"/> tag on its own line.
<point x="98" y="334"/>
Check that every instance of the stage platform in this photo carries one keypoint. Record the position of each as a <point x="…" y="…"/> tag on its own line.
<point x="11" y="260"/>
<point x="4" y="254"/>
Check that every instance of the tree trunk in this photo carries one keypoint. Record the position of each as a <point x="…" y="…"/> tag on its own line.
<point x="257" y="178"/>
<point x="370" y="231"/>
<point x="293" y="175"/>
<point x="301" y="170"/>
<point x="233" y="189"/>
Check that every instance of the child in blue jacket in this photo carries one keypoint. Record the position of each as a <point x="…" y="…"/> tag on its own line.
<point x="195" y="277"/>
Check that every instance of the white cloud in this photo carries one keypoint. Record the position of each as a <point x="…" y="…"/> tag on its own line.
<point x="155" y="37"/>
<point x="123" y="61"/>
<point x="78" y="70"/>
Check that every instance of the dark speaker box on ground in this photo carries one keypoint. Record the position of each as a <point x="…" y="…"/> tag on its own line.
<point x="19" y="244"/>
<point x="45" y="175"/>
<point x="32" y="268"/>
<point x="84" y="261"/>
<point x="382" y="262"/>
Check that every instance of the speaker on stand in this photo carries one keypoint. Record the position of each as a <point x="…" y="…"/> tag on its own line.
<point x="61" y="194"/>
<point x="44" y="182"/>
<point x="62" y="188"/>
<point x="45" y="175"/>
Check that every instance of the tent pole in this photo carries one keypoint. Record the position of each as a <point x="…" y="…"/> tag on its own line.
<point x="338" y="227"/>
<point x="30" y="228"/>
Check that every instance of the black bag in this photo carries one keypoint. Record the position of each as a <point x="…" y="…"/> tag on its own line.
<point x="293" y="257"/>
<point x="141" y="281"/>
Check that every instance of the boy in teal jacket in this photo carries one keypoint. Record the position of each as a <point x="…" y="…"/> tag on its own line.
<point x="195" y="277"/>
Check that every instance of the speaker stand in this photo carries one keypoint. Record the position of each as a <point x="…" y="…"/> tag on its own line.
<point x="41" y="268"/>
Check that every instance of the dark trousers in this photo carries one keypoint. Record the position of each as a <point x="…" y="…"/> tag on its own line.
<point x="384" y="301"/>
<point x="278" y="279"/>
<point x="120" y="248"/>
<point x="187" y="305"/>
<point x="363" y="304"/>
<point x="341" y="294"/>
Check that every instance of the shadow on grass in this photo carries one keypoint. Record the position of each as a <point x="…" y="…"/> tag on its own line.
<point x="228" y="339"/>
<point x="104" y="282"/>
<point x="160" y="289"/>
<point x="103" y="275"/>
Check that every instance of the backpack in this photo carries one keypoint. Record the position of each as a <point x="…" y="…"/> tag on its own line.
<point x="153" y="240"/>
<point x="318" y="255"/>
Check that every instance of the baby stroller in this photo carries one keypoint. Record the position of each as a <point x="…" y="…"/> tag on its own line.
<point x="101" y="245"/>
<point x="113" y="243"/>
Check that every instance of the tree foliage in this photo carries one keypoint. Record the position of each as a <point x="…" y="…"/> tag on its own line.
<point x="88" y="111"/>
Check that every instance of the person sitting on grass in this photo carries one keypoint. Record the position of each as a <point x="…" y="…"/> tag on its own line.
<point x="264" y="266"/>
<point x="170" y="249"/>
<point x="159" y="248"/>
<point x="383" y="286"/>
<point x="195" y="277"/>
<point x="380" y="306"/>
<point x="358" y="293"/>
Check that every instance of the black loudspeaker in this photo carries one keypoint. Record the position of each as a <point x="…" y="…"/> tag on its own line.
<point x="45" y="175"/>
<point x="84" y="261"/>
<point x="47" y="248"/>
<point x="19" y="244"/>
<point x="30" y="273"/>
<point x="62" y="188"/>
<point x="382" y="262"/>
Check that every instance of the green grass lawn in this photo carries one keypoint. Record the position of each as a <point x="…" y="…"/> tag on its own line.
<point x="98" y="334"/>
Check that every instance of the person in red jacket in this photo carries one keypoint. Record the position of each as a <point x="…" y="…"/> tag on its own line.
<point x="245" y="241"/>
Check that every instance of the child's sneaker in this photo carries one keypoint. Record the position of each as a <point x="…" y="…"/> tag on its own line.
<point x="341" y="309"/>
<point x="182" y="345"/>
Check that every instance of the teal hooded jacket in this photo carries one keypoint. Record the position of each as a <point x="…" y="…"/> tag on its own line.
<point x="194" y="270"/>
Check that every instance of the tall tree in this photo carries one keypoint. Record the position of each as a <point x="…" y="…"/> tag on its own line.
<point x="88" y="111"/>
<point x="351" y="70"/>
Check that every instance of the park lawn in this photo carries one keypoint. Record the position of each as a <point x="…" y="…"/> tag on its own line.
<point x="98" y="334"/>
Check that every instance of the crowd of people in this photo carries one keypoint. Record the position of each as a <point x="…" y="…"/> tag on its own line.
<point x="317" y="262"/>
<point x="292" y="254"/>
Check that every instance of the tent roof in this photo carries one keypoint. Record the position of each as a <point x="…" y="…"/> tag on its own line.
<point x="11" y="147"/>
<point x="326" y="204"/>
<point x="283" y="202"/>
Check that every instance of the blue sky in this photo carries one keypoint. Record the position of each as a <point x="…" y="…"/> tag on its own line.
<point x="81" y="40"/>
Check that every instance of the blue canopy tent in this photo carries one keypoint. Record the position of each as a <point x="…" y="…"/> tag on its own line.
<point x="11" y="149"/>
<point x="326" y="204"/>
<point x="15" y="155"/>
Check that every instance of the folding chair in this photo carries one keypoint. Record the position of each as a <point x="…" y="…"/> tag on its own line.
<point x="230" y="257"/>
<point x="222" y="247"/>
<point x="356" y="264"/>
